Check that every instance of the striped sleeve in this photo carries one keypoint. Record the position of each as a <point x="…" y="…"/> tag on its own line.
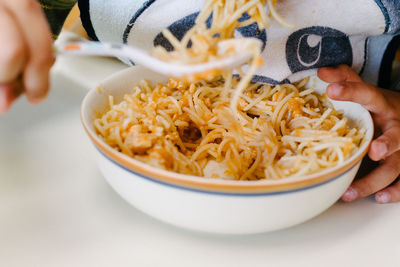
<point x="56" y="12"/>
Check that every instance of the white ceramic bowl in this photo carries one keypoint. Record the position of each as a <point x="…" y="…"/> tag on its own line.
<point x="213" y="205"/>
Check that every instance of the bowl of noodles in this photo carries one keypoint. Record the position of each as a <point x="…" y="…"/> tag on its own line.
<point x="172" y="149"/>
<point x="215" y="153"/>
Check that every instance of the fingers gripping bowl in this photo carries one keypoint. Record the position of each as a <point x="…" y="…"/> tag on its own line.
<point x="216" y="205"/>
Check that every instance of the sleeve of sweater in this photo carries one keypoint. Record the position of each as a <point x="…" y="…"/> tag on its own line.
<point x="56" y="12"/>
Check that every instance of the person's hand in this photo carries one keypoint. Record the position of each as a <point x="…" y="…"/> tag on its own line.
<point x="26" y="52"/>
<point x="384" y="106"/>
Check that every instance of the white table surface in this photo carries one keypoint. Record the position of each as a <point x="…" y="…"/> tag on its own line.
<point x="57" y="210"/>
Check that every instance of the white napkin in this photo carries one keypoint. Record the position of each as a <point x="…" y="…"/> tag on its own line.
<point x="327" y="32"/>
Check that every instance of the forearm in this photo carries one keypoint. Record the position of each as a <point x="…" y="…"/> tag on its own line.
<point x="56" y="13"/>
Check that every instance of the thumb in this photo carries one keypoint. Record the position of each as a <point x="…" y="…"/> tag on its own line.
<point x="386" y="144"/>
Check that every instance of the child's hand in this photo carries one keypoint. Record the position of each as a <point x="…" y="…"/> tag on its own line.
<point x="26" y="52"/>
<point x="384" y="106"/>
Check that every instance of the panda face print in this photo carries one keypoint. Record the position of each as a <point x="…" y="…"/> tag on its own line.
<point x="316" y="47"/>
<point x="288" y="55"/>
